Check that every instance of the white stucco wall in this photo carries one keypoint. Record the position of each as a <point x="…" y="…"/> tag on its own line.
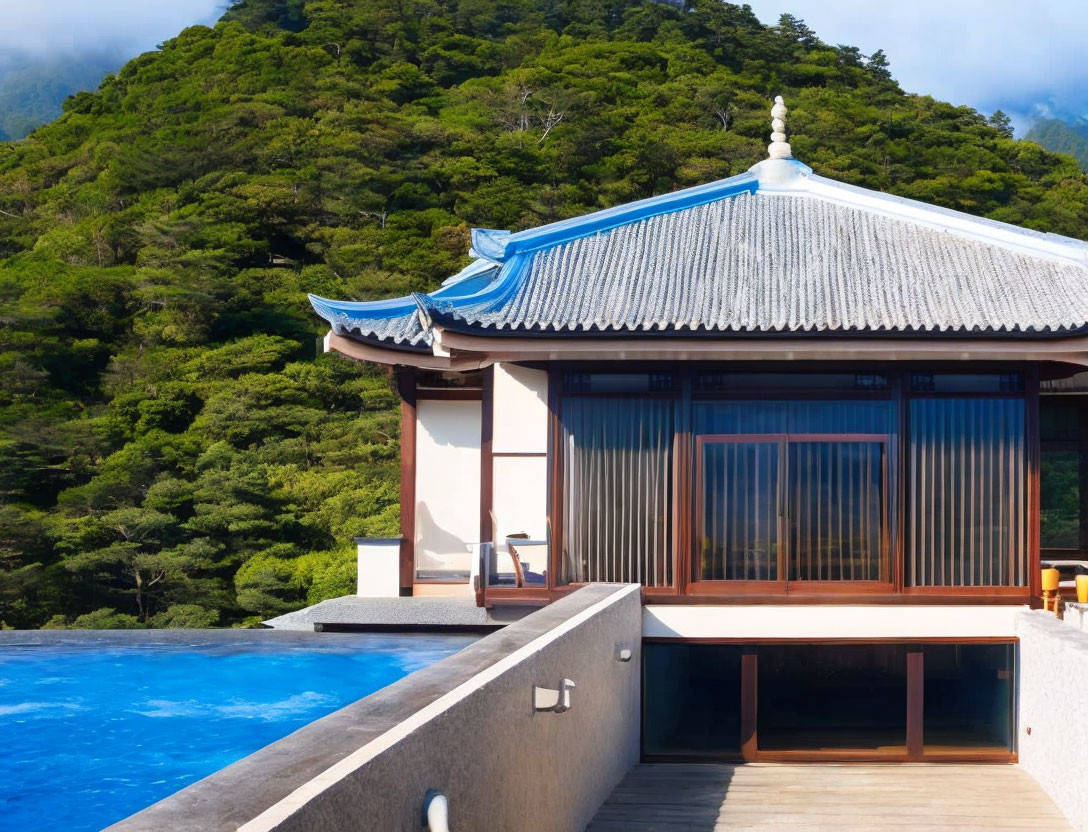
<point x="1053" y="723"/>
<point x="830" y="621"/>
<point x="447" y="483"/>
<point x="521" y="410"/>
<point x="520" y="495"/>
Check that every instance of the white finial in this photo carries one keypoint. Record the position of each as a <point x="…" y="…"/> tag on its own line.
<point x="779" y="148"/>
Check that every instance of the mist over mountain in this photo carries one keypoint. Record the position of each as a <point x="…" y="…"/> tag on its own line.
<point x="1069" y="137"/>
<point x="51" y="49"/>
<point x="33" y="87"/>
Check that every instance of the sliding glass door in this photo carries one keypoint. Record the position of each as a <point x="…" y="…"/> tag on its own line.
<point x="741" y="481"/>
<point x="836" y="510"/>
<point x="804" y="509"/>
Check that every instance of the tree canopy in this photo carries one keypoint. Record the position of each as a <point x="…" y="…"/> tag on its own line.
<point x="173" y="448"/>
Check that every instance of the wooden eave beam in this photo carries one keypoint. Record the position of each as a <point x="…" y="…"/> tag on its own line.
<point x="487" y="349"/>
<point x="423" y="361"/>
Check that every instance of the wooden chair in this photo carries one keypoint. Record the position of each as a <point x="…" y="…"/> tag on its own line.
<point x="519" y="573"/>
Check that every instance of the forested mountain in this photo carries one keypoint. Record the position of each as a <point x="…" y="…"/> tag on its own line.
<point x="32" y="88"/>
<point x="173" y="450"/>
<point x="1062" y="137"/>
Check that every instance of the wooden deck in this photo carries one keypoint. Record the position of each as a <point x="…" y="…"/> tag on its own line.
<point x="842" y="798"/>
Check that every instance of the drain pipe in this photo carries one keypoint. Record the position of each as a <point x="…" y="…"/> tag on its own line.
<point x="436" y="811"/>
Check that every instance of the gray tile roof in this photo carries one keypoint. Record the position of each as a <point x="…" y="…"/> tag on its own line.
<point x="777" y="263"/>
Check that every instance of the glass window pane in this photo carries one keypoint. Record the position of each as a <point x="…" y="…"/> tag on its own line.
<point x="1060" y="418"/>
<point x="620" y="382"/>
<point x="836" y="511"/>
<point x="814" y="697"/>
<point x="841" y="417"/>
<point x="725" y="417"/>
<point x="717" y="382"/>
<point x="1060" y="499"/>
<point x="739" y="417"/>
<point x="692" y="699"/>
<point x="967" y="503"/>
<point x="967" y="382"/>
<point x="968" y="698"/>
<point x="617" y="519"/>
<point x="740" y="512"/>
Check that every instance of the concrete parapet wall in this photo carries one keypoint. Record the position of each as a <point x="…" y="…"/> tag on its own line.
<point x="1053" y="741"/>
<point x="465" y="726"/>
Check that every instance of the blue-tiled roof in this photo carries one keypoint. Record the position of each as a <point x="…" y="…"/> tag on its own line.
<point x="773" y="251"/>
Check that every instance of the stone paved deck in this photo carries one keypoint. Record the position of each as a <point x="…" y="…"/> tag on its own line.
<point x="838" y="798"/>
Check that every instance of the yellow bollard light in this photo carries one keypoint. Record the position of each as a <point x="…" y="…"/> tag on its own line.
<point x="1051" y="597"/>
<point x="1082" y="589"/>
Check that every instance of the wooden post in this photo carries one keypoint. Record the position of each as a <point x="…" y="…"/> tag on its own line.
<point x="915" y="704"/>
<point x="749" y="696"/>
<point x="406" y="386"/>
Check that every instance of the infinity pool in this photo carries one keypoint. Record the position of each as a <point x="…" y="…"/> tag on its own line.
<point x="94" y="729"/>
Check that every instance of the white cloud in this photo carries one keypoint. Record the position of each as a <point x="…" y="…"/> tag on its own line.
<point x="59" y="26"/>
<point x="989" y="54"/>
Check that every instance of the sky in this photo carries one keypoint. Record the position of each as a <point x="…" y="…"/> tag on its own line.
<point x="1026" y="57"/>
<point x="41" y="27"/>
<point x="1023" y="56"/>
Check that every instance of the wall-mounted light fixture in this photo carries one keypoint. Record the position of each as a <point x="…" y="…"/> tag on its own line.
<point x="552" y="699"/>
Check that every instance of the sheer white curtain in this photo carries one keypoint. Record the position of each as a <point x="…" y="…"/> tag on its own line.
<point x="618" y="489"/>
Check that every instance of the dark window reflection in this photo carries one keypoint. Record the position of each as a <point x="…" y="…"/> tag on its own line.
<point x="969" y="697"/>
<point x="692" y="699"/>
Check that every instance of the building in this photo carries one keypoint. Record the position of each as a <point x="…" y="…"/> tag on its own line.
<point x="831" y="432"/>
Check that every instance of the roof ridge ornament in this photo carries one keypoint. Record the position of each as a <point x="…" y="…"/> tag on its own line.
<point x="780" y="171"/>
<point x="779" y="148"/>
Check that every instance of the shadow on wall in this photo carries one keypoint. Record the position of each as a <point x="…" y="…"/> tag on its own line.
<point x="437" y="548"/>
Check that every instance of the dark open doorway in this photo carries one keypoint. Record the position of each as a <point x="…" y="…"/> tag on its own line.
<point x="855" y="701"/>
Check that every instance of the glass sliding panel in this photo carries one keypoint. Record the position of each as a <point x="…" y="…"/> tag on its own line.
<point x="617" y="512"/>
<point x="836" y="511"/>
<point x="691" y="696"/>
<point x="816" y="697"/>
<point x="968" y="698"/>
<point x="968" y="493"/>
<point x="739" y="534"/>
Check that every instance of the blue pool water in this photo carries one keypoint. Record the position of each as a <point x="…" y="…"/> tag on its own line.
<point x="92" y="731"/>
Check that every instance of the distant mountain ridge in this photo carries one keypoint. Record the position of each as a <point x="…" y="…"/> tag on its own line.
<point x="33" y="89"/>
<point x="1062" y="137"/>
